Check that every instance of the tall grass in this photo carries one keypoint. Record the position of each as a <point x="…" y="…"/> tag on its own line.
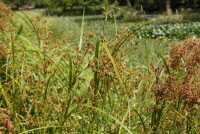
<point x="109" y="85"/>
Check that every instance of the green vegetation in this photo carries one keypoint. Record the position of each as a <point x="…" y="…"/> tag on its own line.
<point x="166" y="7"/>
<point x="171" y="31"/>
<point x="92" y="76"/>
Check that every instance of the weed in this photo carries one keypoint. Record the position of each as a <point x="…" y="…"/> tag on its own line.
<point x="109" y="82"/>
<point x="180" y="86"/>
<point x="6" y="123"/>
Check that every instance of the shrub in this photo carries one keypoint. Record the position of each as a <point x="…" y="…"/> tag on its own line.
<point x="190" y="16"/>
<point x="129" y="15"/>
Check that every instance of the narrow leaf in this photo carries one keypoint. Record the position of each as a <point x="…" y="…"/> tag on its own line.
<point x="81" y="36"/>
<point x="20" y="30"/>
<point x="114" y="65"/>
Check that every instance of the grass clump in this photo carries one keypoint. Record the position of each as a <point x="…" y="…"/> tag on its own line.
<point x="126" y="14"/>
<point x="191" y="16"/>
<point x="108" y="85"/>
<point x="179" y="87"/>
<point x="5" y="19"/>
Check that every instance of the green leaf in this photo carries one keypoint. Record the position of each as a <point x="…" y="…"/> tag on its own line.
<point x="20" y="30"/>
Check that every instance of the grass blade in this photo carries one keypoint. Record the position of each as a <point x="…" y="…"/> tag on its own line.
<point x="112" y="117"/>
<point x="32" y="130"/>
<point x="20" y="30"/>
<point x="70" y="73"/>
<point x="140" y="120"/>
<point x="164" y="61"/>
<point x="31" y="26"/>
<point x="120" y="129"/>
<point x="81" y="36"/>
<point x="96" y="80"/>
<point x="187" y="120"/>
<point x="114" y="65"/>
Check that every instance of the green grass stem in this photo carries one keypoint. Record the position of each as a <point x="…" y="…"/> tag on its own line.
<point x="82" y="28"/>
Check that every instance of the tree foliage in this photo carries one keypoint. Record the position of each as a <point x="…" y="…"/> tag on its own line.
<point x="72" y="3"/>
<point x="19" y="3"/>
<point x="149" y="6"/>
<point x="15" y="3"/>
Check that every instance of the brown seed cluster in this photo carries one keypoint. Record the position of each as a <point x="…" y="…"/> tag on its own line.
<point x="5" y="18"/>
<point x="47" y="83"/>
<point x="6" y="126"/>
<point x="3" y="55"/>
<point x="184" y="81"/>
<point x="103" y="67"/>
<point x="3" y="51"/>
<point x="111" y="10"/>
<point x="186" y="56"/>
<point x="5" y="14"/>
<point x="36" y="74"/>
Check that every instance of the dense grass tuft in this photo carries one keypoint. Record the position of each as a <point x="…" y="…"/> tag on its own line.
<point x="113" y="83"/>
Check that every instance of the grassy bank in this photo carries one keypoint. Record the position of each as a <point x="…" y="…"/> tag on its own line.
<point x="60" y="76"/>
